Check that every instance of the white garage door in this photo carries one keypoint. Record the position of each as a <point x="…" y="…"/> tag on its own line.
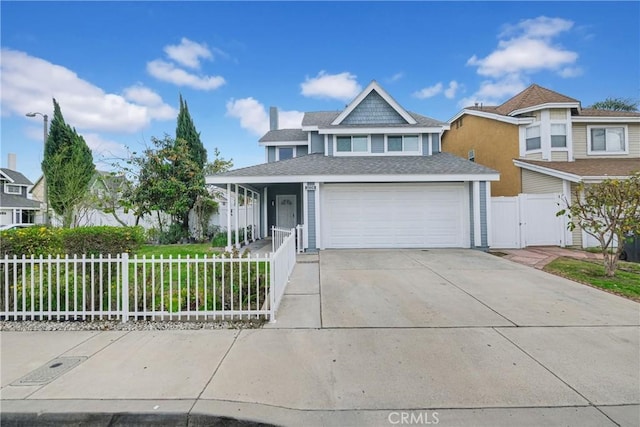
<point x="394" y="216"/>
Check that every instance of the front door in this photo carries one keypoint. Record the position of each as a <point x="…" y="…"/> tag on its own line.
<point x="286" y="211"/>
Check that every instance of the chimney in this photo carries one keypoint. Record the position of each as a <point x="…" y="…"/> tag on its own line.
<point x="11" y="161"/>
<point x="273" y="118"/>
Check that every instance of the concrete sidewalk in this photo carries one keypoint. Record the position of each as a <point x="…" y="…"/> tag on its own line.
<point x="538" y="350"/>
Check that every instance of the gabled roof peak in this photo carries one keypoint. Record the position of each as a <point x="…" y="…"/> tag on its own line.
<point x="374" y="86"/>
<point x="533" y="96"/>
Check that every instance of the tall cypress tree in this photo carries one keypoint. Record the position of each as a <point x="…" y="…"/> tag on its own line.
<point x="67" y="165"/>
<point x="187" y="130"/>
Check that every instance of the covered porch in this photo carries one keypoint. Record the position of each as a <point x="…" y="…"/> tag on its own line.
<point x="277" y="204"/>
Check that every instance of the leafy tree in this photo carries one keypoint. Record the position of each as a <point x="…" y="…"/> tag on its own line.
<point x="606" y="210"/>
<point x="68" y="167"/>
<point x="218" y="165"/>
<point x="616" y="104"/>
<point x="187" y="130"/>
<point x="168" y="180"/>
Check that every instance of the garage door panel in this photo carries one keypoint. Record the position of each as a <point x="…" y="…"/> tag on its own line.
<point x="391" y="215"/>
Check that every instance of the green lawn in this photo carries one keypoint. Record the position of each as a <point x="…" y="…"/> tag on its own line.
<point x="626" y="281"/>
<point x="190" y="249"/>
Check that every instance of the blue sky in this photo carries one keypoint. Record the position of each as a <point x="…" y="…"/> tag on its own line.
<point x="117" y="68"/>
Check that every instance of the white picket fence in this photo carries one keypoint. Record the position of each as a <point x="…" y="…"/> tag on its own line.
<point x="140" y="288"/>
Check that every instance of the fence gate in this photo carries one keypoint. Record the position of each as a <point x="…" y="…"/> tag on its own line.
<point x="527" y="220"/>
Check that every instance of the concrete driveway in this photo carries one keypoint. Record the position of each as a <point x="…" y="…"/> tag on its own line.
<point x="369" y="338"/>
<point x="456" y="288"/>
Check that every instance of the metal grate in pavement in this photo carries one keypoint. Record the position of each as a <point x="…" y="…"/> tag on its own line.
<point x="49" y="371"/>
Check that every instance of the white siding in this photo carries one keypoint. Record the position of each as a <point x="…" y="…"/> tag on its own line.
<point x="559" y="156"/>
<point x="537" y="183"/>
<point x="533" y="156"/>
<point x="557" y="114"/>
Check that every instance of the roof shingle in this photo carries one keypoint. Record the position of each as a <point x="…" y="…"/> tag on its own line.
<point x="591" y="167"/>
<point x="319" y="164"/>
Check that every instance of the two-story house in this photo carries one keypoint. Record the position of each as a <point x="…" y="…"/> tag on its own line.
<point x="544" y="142"/>
<point x="15" y="205"/>
<point x="369" y="176"/>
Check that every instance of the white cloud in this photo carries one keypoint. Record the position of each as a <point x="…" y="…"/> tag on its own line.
<point x="28" y="84"/>
<point x="104" y="148"/>
<point x="523" y="55"/>
<point x="188" y="53"/>
<point x="290" y="119"/>
<point x="570" y="72"/>
<point x="395" y="77"/>
<point x="428" y="92"/>
<point x="168" y="72"/>
<point x="524" y="49"/>
<point x="342" y="86"/>
<point x="253" y="116"/>
<point x="542" y="27"/>
<point x="144" y="96"/>
<point x="450" y="92"/>
<point x="527" y="47"/>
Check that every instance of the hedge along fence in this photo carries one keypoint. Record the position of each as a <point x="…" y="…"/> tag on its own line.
<point x="38" y="240"/>
<point x="81" y="288"/>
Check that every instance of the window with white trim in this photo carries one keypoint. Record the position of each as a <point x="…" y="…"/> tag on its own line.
<point x="12" y="189"/>
<point x="352" y="144"/>
<point x="285" y="153"/>
<point x="558" y="135"/>
<point x="403" y="144"/>
<point x="533" y="141"/>
<point x="607" y="140"/>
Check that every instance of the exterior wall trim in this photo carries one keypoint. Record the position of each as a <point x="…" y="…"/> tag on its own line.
<point x="349" y="178"/>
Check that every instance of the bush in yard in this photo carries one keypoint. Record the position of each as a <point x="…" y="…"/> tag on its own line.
<point x="174" y="234"/>
<point x="34" y="240"/>
<point x="103" y="240"/>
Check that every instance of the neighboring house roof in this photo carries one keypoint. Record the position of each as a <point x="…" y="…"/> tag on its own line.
<point x="592" y="112"/>
<point x="584" y="169"/>
<point x="349" y="166"/>
<point x="16" y="177"/>
<point x="284" y="135"/>
<point x="8" y="201"/>
<point x="532" y="96"/>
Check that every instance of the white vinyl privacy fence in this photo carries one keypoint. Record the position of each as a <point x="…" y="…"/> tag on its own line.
<point x="140" y="288"/>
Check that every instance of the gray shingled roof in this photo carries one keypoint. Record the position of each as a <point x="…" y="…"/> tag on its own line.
<point x="14" y="201"/>
<point x="284" y="135"/>
<point x="323" y="119"/>
<point x="17" y="177"/>
<point x="319" y="164"/>
<point x="319" y="118"/>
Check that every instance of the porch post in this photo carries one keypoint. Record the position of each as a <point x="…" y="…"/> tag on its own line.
<point x="305" y="216"/>
<point x="256" y="215"/>
<point x="237" y="225"/>
<point x="265" y="212"/>
<point x="228" y="247"/>
<point x="246" y="217"/>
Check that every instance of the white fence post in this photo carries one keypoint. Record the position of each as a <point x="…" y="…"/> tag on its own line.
<point x="125" y="287"/>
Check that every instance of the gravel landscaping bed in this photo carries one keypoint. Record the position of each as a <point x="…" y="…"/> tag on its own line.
<point x="116" y="325"/>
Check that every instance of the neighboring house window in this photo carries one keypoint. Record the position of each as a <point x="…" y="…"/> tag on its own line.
<point x="558" y="135"/>
<point x="285" y="153"/>
<point x="12" y="189"/>
<point x="533" y="138"/>
<point x="403" y="143"/>
<point x="352" y="144"/>
<point x="25" y="216"/>
<point x="607" y="140"/>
